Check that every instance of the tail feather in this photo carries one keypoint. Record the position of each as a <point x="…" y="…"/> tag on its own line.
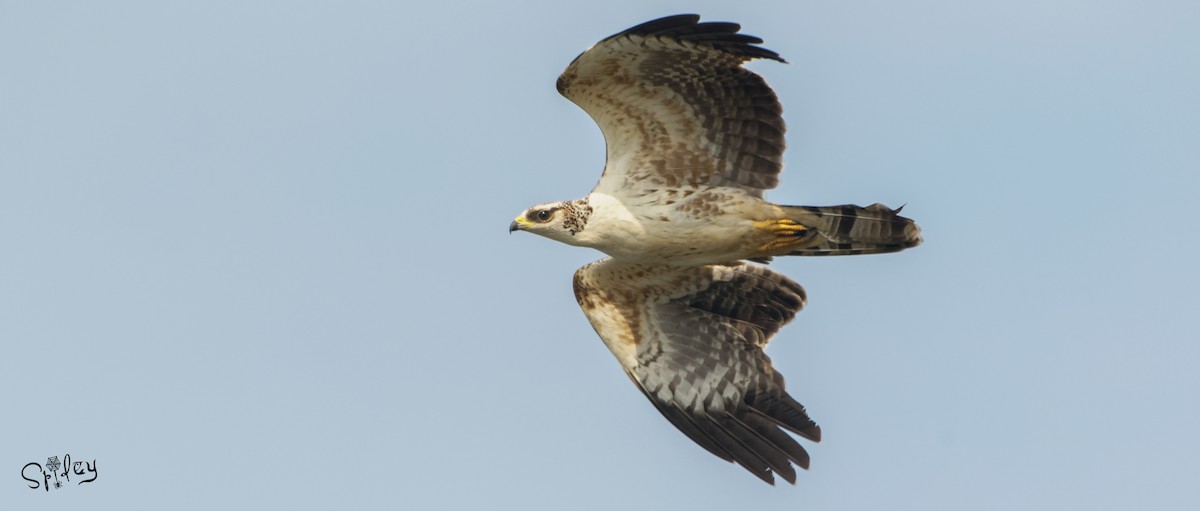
<point x="850" y="229"/>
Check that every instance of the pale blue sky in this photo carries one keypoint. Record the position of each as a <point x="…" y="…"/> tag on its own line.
<point x="255" y="254"/>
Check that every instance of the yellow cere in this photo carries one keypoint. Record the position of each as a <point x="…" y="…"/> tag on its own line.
<point x="523" y="221"/>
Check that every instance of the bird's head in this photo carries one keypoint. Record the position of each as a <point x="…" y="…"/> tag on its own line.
<point x="559" y="221"/>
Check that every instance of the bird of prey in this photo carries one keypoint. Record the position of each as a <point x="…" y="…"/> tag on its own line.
<point x="693" y="139"/>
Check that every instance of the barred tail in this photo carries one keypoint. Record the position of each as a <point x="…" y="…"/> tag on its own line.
<point x="850" y="230"/>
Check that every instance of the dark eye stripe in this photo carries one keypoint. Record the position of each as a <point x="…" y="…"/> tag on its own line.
<point x="542" y="216"/>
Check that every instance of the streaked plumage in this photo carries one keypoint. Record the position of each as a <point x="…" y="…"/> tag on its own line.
<point x="691" y="338"/>
<point x="693" y="139"/>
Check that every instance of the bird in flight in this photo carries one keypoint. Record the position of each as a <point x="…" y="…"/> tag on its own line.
<point x="693" y="139"/>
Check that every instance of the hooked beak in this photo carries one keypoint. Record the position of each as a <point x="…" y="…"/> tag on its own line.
<point x="518" y="224"/>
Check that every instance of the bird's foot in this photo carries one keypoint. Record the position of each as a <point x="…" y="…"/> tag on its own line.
<point x="786" y="235"/>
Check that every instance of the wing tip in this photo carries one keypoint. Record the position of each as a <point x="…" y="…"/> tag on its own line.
<point x="722" y="35"/>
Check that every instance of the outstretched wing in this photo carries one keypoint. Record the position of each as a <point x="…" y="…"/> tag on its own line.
<point x="691" y="339"/>
<point x="677" y="108"/>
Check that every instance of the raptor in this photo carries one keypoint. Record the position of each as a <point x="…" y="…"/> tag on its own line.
<point x="693" y="139"/>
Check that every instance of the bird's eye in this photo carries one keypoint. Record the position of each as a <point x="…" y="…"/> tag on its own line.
<point x="543" y="215"/>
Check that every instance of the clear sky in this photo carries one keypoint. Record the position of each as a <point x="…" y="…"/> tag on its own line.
<point x="255" y="254"/>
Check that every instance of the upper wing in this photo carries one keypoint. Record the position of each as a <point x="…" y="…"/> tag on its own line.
<point x="691" y="339"/>
<point x="676" y="107"/>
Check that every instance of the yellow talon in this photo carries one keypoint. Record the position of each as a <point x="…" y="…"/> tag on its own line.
<point x="783" y="227"/>
<point x="787" y="233"/>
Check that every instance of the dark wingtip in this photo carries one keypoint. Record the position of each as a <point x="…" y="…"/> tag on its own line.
<point x="665" y="23"/>
<point x="722" y="35"/>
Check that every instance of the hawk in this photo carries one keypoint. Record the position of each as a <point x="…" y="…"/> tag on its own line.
<point x="693" y="139"/>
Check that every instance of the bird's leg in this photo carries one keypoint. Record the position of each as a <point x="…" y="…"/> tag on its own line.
<point x="785" y="235"/>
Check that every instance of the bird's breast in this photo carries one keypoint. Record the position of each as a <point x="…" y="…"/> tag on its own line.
<point x="702" y="231"/>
